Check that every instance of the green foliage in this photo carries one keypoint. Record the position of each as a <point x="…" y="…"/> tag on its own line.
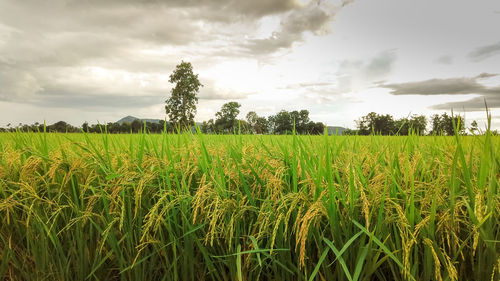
<point x="284" y="122"/>
<point x="281" y="123"/>
<point x="226" y="121"/>
<point x="181" y="106"/>
<point x="415" y="124"/>
<point x="380" y="124"/>
<point x="302" y="121"/>
<point x="351" y="132"/>
<point x="374" y="123"/>
<point x="256" y="123"/>
<point x="445" y="124"/>
<point x="58" y="127"/>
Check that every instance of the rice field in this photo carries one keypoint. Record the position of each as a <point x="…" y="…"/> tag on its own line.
<point x="207" y="207"/>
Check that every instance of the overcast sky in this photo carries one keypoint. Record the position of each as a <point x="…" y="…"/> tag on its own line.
<point x="100" y="60"/>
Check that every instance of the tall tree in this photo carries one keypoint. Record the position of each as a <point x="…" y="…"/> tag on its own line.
<point x="181" y="106"/>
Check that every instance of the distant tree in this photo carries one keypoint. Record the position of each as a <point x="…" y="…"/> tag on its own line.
<point x="113" y="128"/>
<point x="211" y="126"/>
<point x="125" y="127"/>
<point x="252" y="118"/>
<point x="257" y="124"/>
<point x="316" y="128"/>
<point x="95" y="128"/>
<point x="164" y="126"/>
<point x="226" y="118"/>
<point x="377" y="124"/>
<point x="153" y="127"/>
<point x="204" y="127"/>
<point x="350" y="132"/>
<point x="181" y="106"/>
<point x="282" y="122"/>
<point x="416" y="124"/>
<point x="243" y="127"/>
<point x="437" y="127"/>
<point x="85" y="126"/>
<point x="402" y="126"/>
<point x="301" y="119"/>
<point x="61" y="127"/>
<point x="136" y="126"/>
<point x="473" y="127"/>
<point x="445" y="124"/>
<point x="261" y="126"/>
<point x="365" y="123"/>
<point x="271" y="123"/>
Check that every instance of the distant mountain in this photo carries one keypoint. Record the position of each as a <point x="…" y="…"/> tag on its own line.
<point x="332" y="130"/>
<point x="130" y="119"/>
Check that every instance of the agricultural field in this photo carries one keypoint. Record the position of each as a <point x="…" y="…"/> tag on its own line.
<point x="208" y="207"/>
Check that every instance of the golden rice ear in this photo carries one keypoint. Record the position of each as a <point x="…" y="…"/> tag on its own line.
<point x="437" y="263"/>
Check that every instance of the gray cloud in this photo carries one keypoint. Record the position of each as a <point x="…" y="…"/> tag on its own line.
<point x="226" y="9"/>
<point x="95" y="101"/>
<point x="312" y="17"/>
<point x="485" y="52"/>
<point x="475" y="104"/>
<point x="43" y="43"/>
<point x="17" y="83"/>
<point x="446" y="59"/>
<point x="380" y="65"/>
<point x="452" y="86"/>
<point x="449" y="86"/>
<point x="485" y="75"/>
<point x="309" y="85"/>
<point x="259" y="8"/>
<point x="353" y="73"/>
<point x="316" y="84"/>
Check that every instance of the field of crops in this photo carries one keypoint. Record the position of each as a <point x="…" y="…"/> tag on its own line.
<point x="200" y="207"/>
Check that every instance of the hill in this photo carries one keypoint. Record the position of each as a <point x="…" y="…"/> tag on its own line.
<point x="130" y="119"/>
<point x="332" y="130"/>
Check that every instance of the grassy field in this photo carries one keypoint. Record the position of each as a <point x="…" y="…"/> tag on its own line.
<point x="199" y="207"/>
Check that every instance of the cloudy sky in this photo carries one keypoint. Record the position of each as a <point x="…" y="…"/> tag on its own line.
<point x="100" y="60"/>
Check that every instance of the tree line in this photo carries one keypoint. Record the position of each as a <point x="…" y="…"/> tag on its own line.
<point x="180" y="108"/>
<point x="111" y="127"/>
<point x="226" y="122"/>
<point x="284" y="122"/>
<point x="385" y="124"/>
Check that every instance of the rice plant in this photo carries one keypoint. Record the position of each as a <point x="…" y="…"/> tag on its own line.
<point x="207" y="207"/>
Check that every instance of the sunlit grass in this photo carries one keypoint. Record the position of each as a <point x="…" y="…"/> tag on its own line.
<point x="200" y="207"/>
